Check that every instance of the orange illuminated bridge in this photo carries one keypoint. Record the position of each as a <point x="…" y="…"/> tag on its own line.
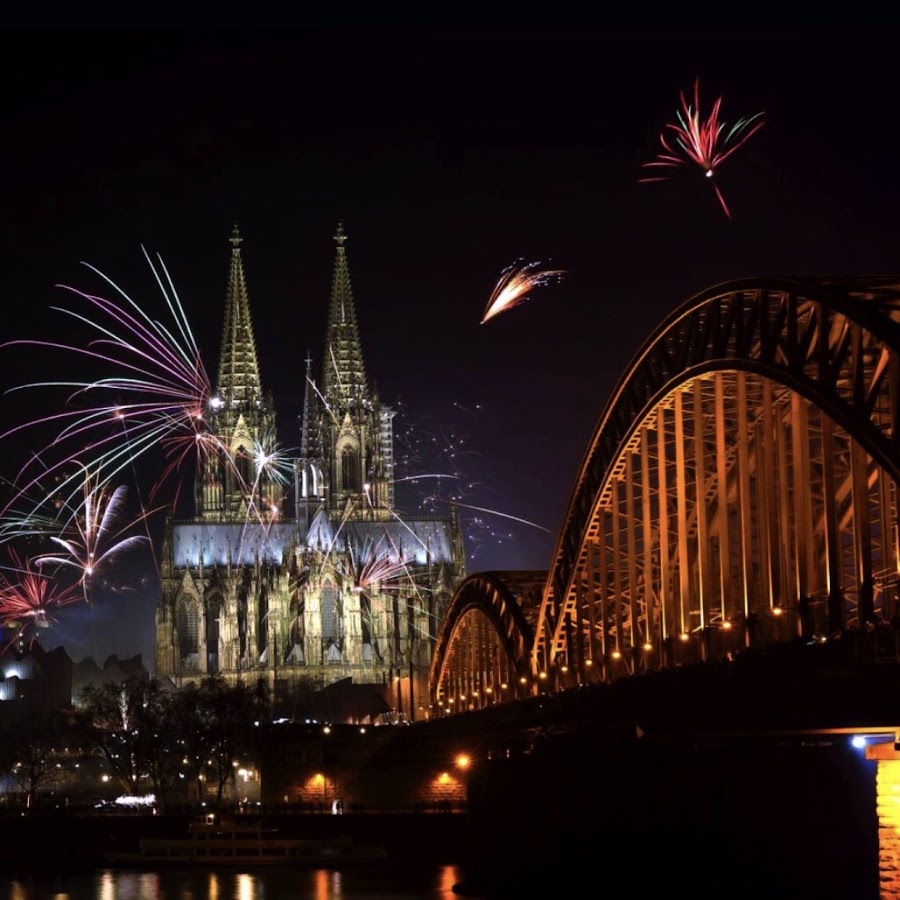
<point x="739" y="489"/>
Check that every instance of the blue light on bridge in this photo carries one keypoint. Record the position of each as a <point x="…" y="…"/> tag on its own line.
<point x="861" y="741"/>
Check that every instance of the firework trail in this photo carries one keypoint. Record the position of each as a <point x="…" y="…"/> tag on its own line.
<point x="706" y="143"/>
<point x="321" y="397"/>
<point x="273" y="466"/>
<point x="156" y="396"/>
<point x="377" y="565"/>
<point x="469" y="412"/>
<point x="516" y="282"/>
<point x="495" y="512"/>
<point x="370" y="570"/>
<point x="90" y="539"/>
<point x="205" y="448"/>
<point x="29" y="599"/>
<point x="430" y="459"/>
<point x="436" y="462"/>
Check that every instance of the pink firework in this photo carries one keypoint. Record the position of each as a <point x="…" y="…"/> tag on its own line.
<point x="29" y="599"/>
<point x="516" y="283"/>
<point x="379" y="564"/>
<point x="706" y="143"/>
<point x="91" y="539"/>
<point x="157" y="389"/>
<point x="202" y="445"/>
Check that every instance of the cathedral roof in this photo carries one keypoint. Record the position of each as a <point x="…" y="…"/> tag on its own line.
<point x="242" y="544"/>
<point x="415" y="540"/>
<point x="237" y="543"/>
<point x="239" y="381"/>
<point x="320" y="535"/>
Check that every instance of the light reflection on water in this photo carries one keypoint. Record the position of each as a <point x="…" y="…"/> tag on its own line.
<point x="379" y="883"/>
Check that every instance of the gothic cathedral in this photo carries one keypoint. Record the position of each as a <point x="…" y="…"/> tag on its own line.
<point x="302" y="572"/>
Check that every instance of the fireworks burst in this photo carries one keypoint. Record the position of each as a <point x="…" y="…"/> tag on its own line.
<point x="157" y="393"/>
<point x="378" y="564"/>
<point x="435" y="462"/>
<point x="90" y="539"/>
<point x="703" y="142"/>
<point x="29" y="599"/>
<point x="516" y="282"/>
<point x="431" y="459"/>
<point x="272" y="466"/>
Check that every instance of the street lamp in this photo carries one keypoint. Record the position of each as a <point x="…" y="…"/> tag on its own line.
<point x="321" y="779"/>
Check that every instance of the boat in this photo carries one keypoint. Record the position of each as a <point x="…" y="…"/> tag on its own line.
<point x="215" y="842"/>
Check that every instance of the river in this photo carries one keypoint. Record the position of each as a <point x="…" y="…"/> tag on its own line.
<point x="375" y="882"/>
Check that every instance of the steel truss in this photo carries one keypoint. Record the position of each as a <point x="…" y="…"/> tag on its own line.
<point x="740" y="488"/>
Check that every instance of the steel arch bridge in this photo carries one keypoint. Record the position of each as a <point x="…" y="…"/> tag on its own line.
<point x="740" y="488"/>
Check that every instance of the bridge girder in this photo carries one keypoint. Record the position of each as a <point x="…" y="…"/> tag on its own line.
<point x="740" y="488"/>
<point x="741" y="484"/>
<point x="483" y="648"/>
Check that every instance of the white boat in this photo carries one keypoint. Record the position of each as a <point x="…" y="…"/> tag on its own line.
<point x="236" y="843"/>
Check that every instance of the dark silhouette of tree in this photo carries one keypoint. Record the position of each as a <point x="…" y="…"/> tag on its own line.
<point x="129" y="723"/>
<point x="37" y="754"/>
<point x="227" y="717"/>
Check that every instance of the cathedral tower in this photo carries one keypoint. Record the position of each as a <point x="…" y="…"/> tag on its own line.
<point x="347" y="462"/>
<point x="235" y="482"/>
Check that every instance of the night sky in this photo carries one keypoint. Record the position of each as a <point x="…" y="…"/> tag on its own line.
<point x="448" y="155"/>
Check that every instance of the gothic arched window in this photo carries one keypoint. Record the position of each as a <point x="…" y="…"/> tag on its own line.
<point x="213" y="615"/>
<point x="296" y="632"/>
<point x="262" y="625"/>
<point x="365" y="612"/>
<point x="329" y="614"/>
<point x="350" y="468"/>
<point x="243" y="464"/>
<point x="242" y="624"/>
<point x="187" y="624"/>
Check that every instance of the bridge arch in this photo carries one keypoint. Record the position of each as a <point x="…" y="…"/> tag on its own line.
<point x="740" y="487"/>
<point x="482" y="654"/>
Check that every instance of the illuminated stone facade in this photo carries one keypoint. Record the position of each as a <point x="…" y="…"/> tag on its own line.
<point x="302" y="571"/>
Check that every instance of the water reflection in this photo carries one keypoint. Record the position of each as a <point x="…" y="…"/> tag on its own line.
<point x="328" y="884"/>
<point x="449" y="875"/>
<point x="390" y="883"/>
<point x="246" y="888"/>
<point x="128" y="886"/>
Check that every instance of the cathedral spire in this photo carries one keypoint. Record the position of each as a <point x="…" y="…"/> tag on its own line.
<point x="309" y="487"/>
<point x="307" y="411"/>
<point x="239" y="382"/>
<point x="344" y="375"/>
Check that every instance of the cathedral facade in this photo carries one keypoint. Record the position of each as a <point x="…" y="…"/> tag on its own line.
<point x="302" y="572"/>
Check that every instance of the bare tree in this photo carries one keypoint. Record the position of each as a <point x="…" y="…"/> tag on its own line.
<point x="228" y="715"/>
<point x="33" y="754"/>
<point x="129" y="723"/>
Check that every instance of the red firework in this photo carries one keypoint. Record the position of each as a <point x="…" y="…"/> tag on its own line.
<point x="28" y="598"/>
<point x="703" y="142"/>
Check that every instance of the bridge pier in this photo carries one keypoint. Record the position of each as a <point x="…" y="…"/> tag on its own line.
<point x="887" y="804"/>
